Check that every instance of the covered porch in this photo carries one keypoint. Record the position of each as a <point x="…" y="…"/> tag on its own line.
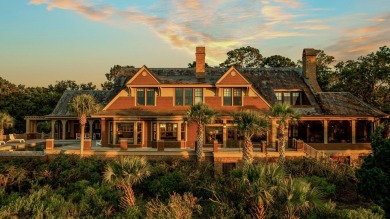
<point x="342" y="131"/>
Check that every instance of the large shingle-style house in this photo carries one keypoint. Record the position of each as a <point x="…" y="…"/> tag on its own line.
<point x="147" y="106"/>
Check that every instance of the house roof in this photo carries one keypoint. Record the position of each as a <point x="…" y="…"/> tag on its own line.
<point x="346" y="104"/>
<point x="264" y="80"/>
<point x="62" y="107"/>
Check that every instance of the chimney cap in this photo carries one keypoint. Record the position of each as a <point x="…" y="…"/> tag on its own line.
<point x="200" y="49"/>
<point x="309" y="52"/>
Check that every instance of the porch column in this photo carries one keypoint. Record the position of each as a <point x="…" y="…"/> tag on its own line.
<point x="325" y="131"/>
<point x="135" y="128"/>
<point x="178" y="131"/>
<point x="353" y="126"/>
<point x="52" y="129"/>
<point x="28" y="130"/>
<point x="90" y="128"/>
<point x="33" y="126"/>
<point x="103" y="135"/>
<point x="273" y="133"/>
<point x="114" y="132"/>
<point x="224" y="135"/>
<point x="63" y="122"/>
<point x="158" y="132"/>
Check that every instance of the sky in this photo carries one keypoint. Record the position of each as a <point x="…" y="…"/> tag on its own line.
<point x="44" y="41"/>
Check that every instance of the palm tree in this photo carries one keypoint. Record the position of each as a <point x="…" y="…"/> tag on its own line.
<point x="261" y="183"/>
<point x="284" y="115"/>
<point x="297" y="197"/>
<point x="83" y="105"/>
<point x="249" y="123"/>
<point x="6" y="121"/>
<point x="125" y="173"/>
<point x="202" y="115"/>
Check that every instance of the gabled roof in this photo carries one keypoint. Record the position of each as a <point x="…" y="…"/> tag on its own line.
<point x="265" y="81"/>
<point x="345" y="104"/>
<point x="62" y="107"/>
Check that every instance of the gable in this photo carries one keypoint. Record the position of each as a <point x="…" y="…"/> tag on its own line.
<point x="117" y="100"/>
<point x="232" y="77"/>
<point x="143" y="77"/>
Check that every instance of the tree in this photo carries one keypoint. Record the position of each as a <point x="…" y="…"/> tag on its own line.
<point x="64" y="85"/>
<point x="244" y="57"/>
<point x="88" y="86"/>
<point x="6" y="121"/>
<point x="284" y="115"/>
<point x="124" y="173"/>
<point x="193" y="65"/>
<point x="83" y="105"/>
<point x="374" y="174"/>
<point x="249" y="123"/>
<point x="112" y="76"/>
<point x="201" y="114"/>
<point x="278" y="61"/>
<point x="368" y="78"/>
<point x="325" y="75"/>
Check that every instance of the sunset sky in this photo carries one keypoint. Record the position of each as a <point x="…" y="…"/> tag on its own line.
<point x="44" y="41"/>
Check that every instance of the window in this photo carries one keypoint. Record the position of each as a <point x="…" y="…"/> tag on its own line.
<point x="183" y="131"/>
<point x="168" y="131"/>
<point x="188" y="96"/>
<point x="179" y="96"/>
<point x="292" y="97"/>
<point x="125" y="130"/>
<point x="296" y="98"/>
<point x="235" y="99"/>
<point x="287" y="98"/>
<point x="150" y="96"/>
<point x="213" y="133"/>
<point x="198" y="95"/>
<point x="237" y="96"/>
<point x="139" y="133"/>
<point x="140" y="96"/>
<point x="227" y="96"/>
<point x="146" y="96"/>
<point x="154" y="132"/>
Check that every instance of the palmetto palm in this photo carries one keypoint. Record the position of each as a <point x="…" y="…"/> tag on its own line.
<point x="124" y="173"/>
<point x="284" y="115"/>
<point x="297" y="197"/>
<point x="249" y="123"/>
<point x="83" y="105"/>
<point x="202" y="115"/>
<point x="6" y="121"/>
<point x="261" y="183"/>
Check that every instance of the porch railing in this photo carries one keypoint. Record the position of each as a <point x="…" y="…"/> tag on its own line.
<point x="314" y="153"/>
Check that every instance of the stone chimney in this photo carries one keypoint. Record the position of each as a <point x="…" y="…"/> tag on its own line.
<point x="309" y="68"/>
<point x="200" y="70"/>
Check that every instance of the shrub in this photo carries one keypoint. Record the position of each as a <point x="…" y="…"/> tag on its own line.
<point x="178" y="207"/>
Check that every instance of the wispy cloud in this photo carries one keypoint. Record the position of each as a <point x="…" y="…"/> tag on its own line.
<point x="355" y="42"/>
<point x="221" y="25"/>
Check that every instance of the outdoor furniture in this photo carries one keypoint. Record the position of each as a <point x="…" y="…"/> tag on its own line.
<point x="99" y="143"/>
<point x="86" y="136"/>
<point x="2" y="142"/>
<point x="13" y="139"/>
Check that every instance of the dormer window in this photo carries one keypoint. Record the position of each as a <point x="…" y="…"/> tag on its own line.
<point x="291" y="97"/>
<point x="145" y="96"/>
<point x="232" y="96"/>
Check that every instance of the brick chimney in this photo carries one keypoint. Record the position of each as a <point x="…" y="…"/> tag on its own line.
<point x="200" y="70"/>
<point x="309" y="68"/>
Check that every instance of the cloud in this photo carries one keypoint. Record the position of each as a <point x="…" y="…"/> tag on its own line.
<point x="221" y="25"/>
<point x="355" y="42"/>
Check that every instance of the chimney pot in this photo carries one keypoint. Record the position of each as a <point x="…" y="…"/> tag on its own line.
<point x="200" y="70"/>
